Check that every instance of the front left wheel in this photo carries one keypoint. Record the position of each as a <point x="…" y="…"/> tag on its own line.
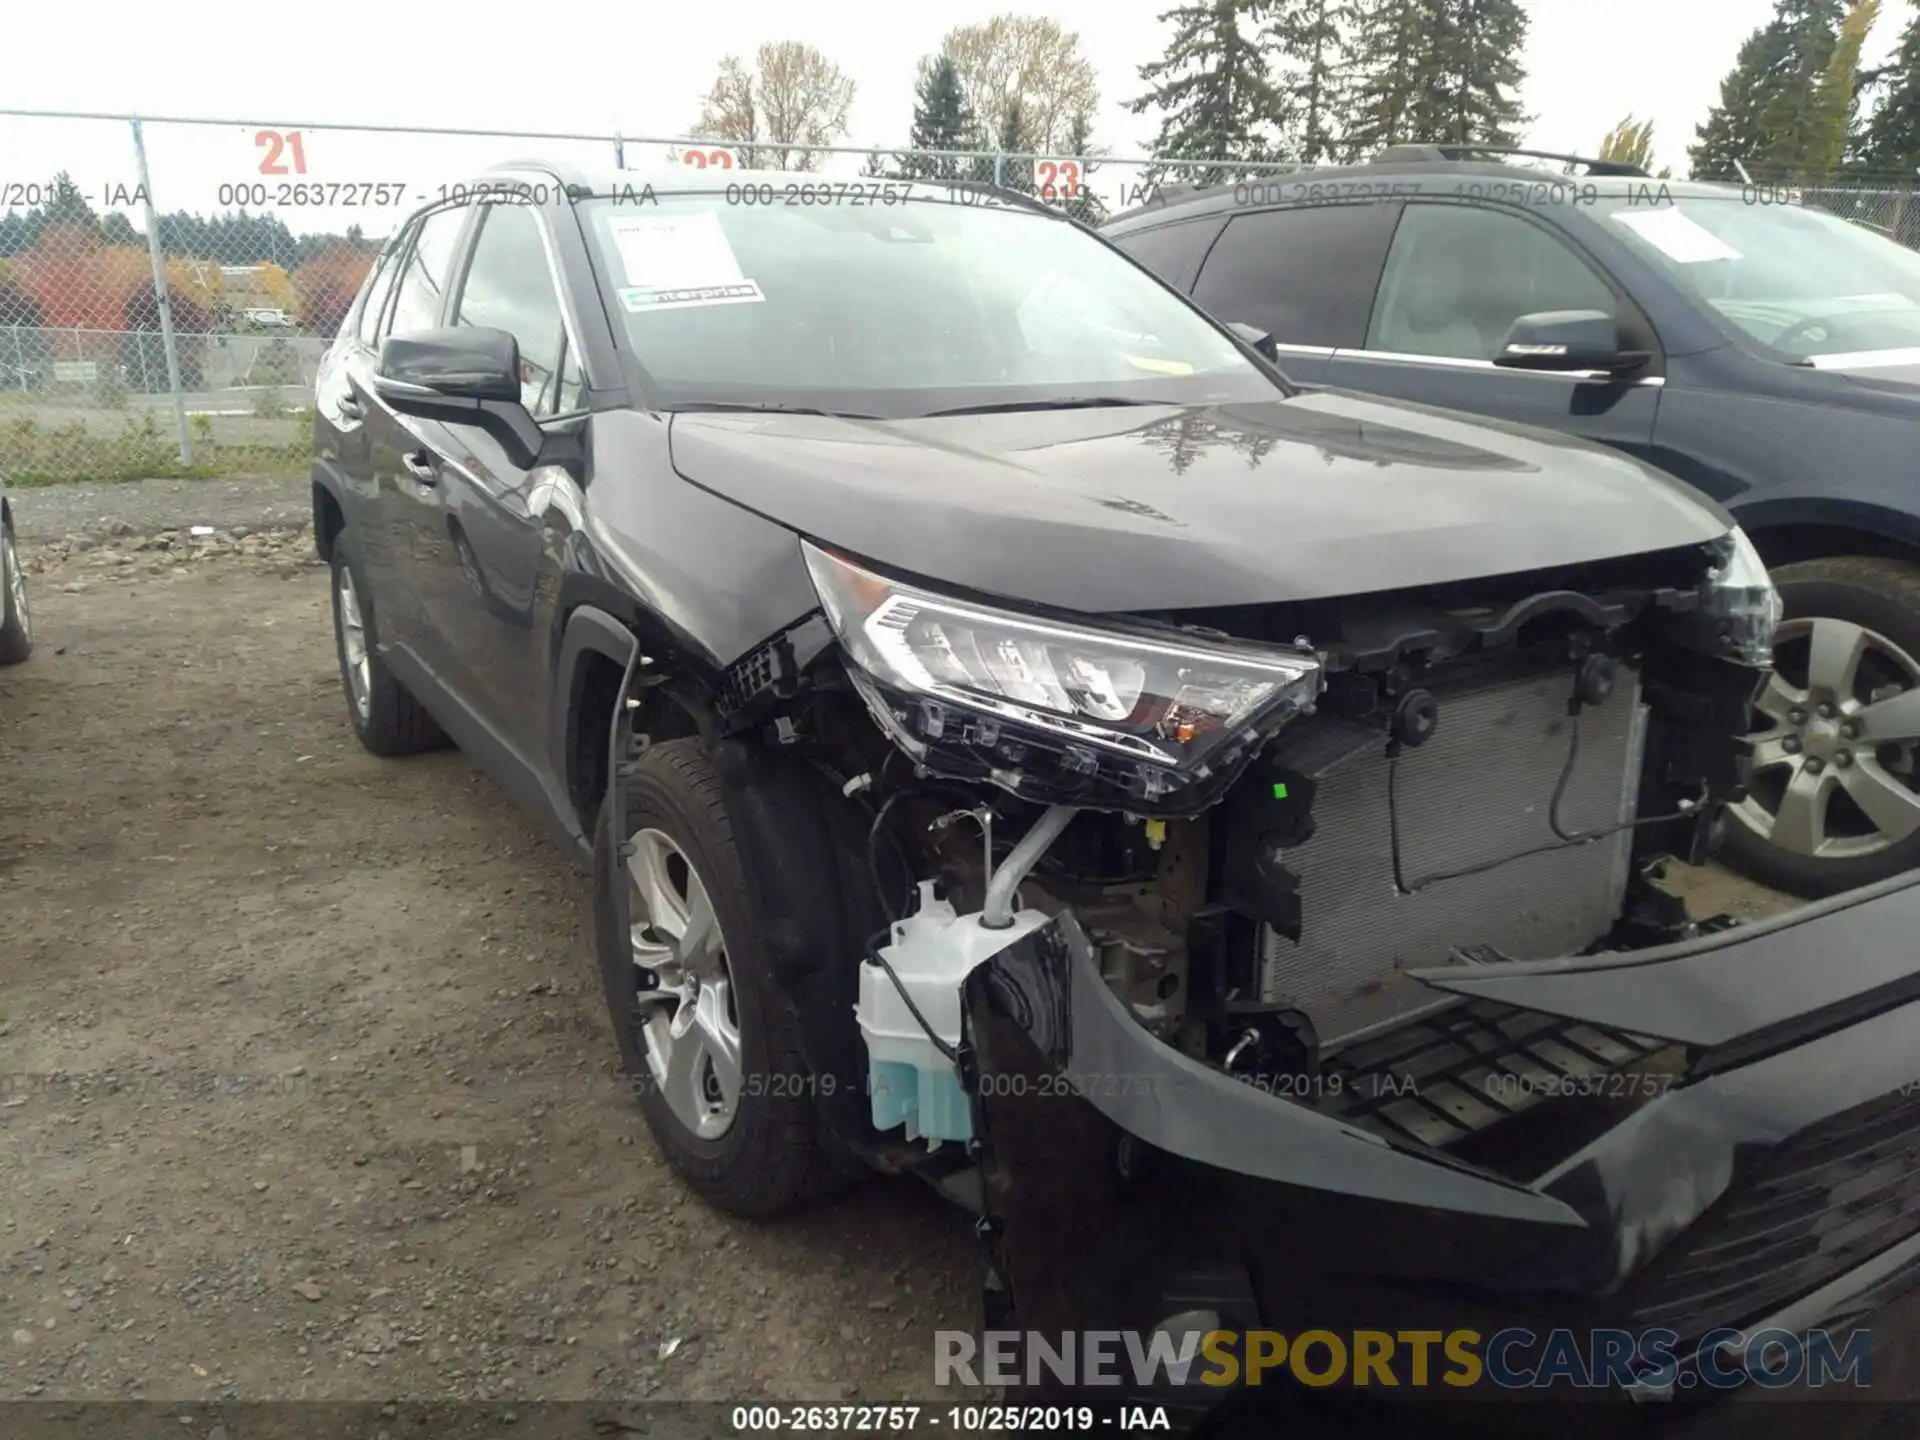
<point x="16" y="621"/>
<point x="704" y="1034"/>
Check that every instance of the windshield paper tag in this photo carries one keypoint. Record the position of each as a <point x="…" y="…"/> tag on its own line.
<point x="1678" y="236"/>
<point x="646" y="300"/>
<point x="674" y="252"/>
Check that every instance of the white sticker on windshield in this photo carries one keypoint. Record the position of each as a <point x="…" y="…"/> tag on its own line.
<point x="1676" y="235"/>
<point x="674" y="252"/>
<point x="642" y="300"/>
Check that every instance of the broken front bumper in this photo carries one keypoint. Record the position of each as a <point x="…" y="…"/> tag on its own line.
<point x="1772" y="1178"/>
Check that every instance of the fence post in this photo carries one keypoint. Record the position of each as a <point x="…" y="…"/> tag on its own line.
<point x="999" y="166"/>
<point x="619" y="151"/>
<point x="19" y="358"/>
<point x="155" y="255"/>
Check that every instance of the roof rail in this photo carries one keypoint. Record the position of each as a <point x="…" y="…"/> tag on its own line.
<point x="1430" y="153"/>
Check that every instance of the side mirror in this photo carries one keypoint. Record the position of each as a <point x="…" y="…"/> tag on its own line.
<point x="465" y="375"/>
<point x="1567" y="340"/>
<point x="1259" y="339"/>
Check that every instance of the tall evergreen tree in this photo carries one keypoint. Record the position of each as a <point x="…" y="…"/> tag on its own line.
<point x="1838" y="95"/>
<point x="1476" y="73"/>
<point x="1213" y="89"/>
<point x="1890" y="140"/>
<point x="1083" y="205"/>
<point x="942" y="120"/>
<point x="1768" y="115"/>
<point x="1015" y="141"/>
<point x="1392" y="47"/>
<point x="1308" y="37"/>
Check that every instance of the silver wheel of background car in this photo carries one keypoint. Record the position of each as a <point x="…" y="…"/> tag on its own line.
<point x="16" y="586"/>
<point x="1834" y="768"/>
<point x="353" y="645"/>
<point x="689" y="1021"/>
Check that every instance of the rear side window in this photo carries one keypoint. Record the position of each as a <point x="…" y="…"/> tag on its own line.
<point x="423" y="278"/>
<point x="1305" y="275"/>
<point x="1172" y="251"/>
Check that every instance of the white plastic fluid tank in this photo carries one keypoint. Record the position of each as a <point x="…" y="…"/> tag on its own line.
<point x="909" y="1081"/>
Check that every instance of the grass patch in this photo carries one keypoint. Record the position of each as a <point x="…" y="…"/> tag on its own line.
<point x="32" y="454"/>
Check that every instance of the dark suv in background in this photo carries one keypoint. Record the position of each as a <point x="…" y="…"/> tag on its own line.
<point x="1762" y="350"/>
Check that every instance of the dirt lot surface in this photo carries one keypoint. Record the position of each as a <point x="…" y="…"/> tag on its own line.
<point x="306" y="1088"/>
<point x="308" y="1082"/>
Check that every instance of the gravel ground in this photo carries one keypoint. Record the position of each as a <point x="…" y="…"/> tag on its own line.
<point x="55" y="513"/>
<point x="309" y="1089"/>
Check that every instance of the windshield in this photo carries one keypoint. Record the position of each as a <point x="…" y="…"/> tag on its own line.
<point x="896" y="301"/>
<point x="1799" y="280"/>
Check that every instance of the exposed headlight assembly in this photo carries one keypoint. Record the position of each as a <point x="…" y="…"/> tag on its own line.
<point x="1053" y="709"/>
<point x="1739" y="602"/>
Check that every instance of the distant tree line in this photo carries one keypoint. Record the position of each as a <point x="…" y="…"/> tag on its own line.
<point x="65" y="267"/>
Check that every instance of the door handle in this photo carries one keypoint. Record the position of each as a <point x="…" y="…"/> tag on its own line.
<point x="350" y="407"/>
<point x="420" y="466"/>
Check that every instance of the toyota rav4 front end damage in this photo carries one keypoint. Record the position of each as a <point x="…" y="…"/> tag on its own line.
<point x="1310" y="965"/>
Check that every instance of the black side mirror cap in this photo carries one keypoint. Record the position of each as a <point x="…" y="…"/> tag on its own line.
<point x="1564" y="340"/>
<point x="466" y="375"/>
<point x="466" y="362"/>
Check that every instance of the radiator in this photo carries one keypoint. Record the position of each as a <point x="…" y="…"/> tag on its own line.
<point x="1478" y="793"/>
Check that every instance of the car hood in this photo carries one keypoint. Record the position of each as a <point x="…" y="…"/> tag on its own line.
<point x="1321" y="494"/>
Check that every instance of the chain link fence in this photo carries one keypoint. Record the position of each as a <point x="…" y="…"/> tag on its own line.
<point x="168" y="285"/>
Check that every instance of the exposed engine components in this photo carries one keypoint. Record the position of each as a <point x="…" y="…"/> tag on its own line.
<point x="1415" y="718"/>
<point x="1595" y="680"/>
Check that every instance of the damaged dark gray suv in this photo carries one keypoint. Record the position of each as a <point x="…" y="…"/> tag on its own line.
<point x="1213" y="829"/>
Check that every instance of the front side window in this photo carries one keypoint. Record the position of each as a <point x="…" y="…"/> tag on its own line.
<point x="423" y="278"/>
<point x="1458" y="276"/>
<point x="509" y="287"/>
<point x="1801" y="281"/>
<point x="898" y="309"/>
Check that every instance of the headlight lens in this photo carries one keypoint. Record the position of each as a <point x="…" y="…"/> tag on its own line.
<point x="1740" y="598"/>
<point x="1165" y="702"/>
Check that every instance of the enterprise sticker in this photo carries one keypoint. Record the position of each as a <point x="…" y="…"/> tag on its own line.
<point x="643" y="300"/>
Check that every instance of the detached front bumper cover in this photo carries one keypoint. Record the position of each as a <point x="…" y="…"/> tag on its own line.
<point x="1778" y="1178"/>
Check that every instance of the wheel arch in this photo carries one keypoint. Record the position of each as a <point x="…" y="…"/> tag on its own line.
<point x="597" y="651"/>
<point x="1785" y="532"/>
<point x="329" y="517"/>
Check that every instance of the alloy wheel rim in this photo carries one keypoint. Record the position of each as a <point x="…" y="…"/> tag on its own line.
<point x="684" y="983"/>
<point x="16" y="587"/>
<point x="353" y="645"/>
<point x="1834" y="756"/>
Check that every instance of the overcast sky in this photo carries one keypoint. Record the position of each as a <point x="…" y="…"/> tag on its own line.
<point x="641" y="69"/>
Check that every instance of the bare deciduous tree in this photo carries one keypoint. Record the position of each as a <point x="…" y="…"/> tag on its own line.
<point x="1029" y="59"/>
<point x="792" y="97"/>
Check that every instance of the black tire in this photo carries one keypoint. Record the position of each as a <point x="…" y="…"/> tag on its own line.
<point x="16" y="624"/>
<point x="393" y="722"/>
<point x="1882" y="596"/>
<point x="772" y="1157"/>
